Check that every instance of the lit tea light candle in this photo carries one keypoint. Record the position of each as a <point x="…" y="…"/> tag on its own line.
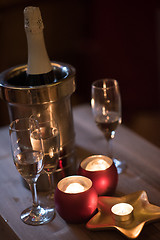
<point x="102" y="171"/>
<point x="97" y="165"/>
<point x="75" y="199"/>
<point x="122" y="211"/>
<point x="74" y="188"/>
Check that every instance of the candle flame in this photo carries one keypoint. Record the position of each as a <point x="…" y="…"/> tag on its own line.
<point x="122" y="209"/>
<point x="74" y="188"/>
<point x="97" y="165"/>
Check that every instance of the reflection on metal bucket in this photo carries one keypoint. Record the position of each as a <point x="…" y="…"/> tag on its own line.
<point x="24" y="101"/>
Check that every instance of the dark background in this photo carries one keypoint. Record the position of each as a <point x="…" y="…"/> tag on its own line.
<point x="117" y="39"/>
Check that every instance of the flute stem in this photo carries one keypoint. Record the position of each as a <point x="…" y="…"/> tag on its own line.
<point x="34" y="194"/>
<point x="109" y="149"/>
<point x="51" y="181"/>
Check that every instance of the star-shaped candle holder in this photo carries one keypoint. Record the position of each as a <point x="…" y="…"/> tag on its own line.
<point x="143" y="212"/>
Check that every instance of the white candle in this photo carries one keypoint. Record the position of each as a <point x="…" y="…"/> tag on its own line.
<point x="97" y="165"/>
<point x="122" y="211"/>
<point x="74" y="188"/>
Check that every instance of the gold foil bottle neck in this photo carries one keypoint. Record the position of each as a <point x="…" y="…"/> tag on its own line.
<point x="33" y="19"/>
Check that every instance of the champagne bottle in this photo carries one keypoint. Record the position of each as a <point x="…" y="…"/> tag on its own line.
<point x="39" y="69"/>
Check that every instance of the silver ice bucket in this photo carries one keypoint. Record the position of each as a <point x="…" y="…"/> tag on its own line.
<point x="24" y="100"/>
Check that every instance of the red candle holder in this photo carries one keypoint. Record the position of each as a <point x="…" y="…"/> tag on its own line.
<point x="102" y="171"/>
<point x="75" y="199"/>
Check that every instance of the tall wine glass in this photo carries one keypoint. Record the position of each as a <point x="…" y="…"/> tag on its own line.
<point x="51" y="145"/>
<point x="106" y="108"/>
<point x="29" y="163"/>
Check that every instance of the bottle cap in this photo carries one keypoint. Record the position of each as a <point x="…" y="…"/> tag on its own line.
<point x="32" y="19"/>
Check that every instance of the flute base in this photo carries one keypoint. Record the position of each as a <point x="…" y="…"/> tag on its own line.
<point x="37" y="216"/>
<point x="120" y="165"/>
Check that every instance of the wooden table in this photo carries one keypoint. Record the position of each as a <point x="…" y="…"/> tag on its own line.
<point x="143" y="173"/>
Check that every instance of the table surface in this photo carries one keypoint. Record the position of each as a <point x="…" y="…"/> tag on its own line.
<point x="142" y="173"/>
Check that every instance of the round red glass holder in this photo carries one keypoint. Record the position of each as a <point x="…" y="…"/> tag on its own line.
<point x="104" y="181"/>
<point x="75" y="207"/>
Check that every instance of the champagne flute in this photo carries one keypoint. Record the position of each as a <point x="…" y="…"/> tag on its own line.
<point x="51" y="145"/>
<point x="106" y="108"/>
<point x="29" y="163"/>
